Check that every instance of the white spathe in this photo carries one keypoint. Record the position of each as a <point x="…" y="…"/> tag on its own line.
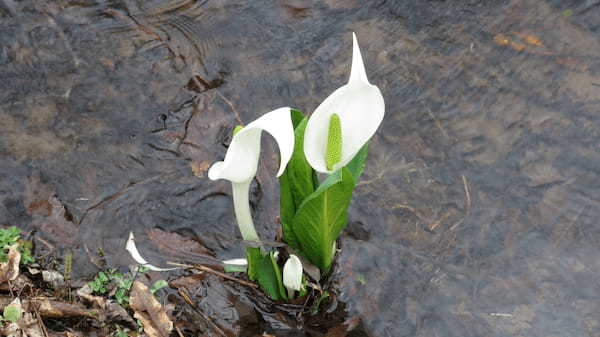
<point x="241" y="161"/>
<point x="292" y="274"/>
<point x="135" y="254"/>
<point x="360" y="107"/>
<point x="236" y="262"/>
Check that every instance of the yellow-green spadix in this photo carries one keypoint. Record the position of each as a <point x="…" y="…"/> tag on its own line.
<point x="241" y="161"/>
<point x="360" y="108"/>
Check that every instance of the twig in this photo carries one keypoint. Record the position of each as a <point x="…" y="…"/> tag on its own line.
<point x="40" y="321"/>
<point x="186" y="297"/>
<point x="467" y="202"/>
<point x="178" y="331"/>
<point x="212" y="271"/>
<point x="46" y="243"/>
<point x="228" y="102"/>
<point x="437" y="123"/>
<point x="467" y="192"/>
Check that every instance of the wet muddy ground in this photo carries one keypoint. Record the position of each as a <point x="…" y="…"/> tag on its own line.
<point x="478" y="210"/>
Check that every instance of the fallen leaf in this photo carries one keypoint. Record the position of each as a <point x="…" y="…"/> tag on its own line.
<point x="199" y="168"/>
<point x="343" y="329"/>
<point x="116" y="312"/>
<point x="36" y="197"/>
<point x="530" y="39"/>
<point x="27" y="326"/>
<point x="9" y="270"/>
<point x="110" y="308"/>
<point x="53" y="277"/>
<point x="57" y="225"/>
<point x="147" y="309"/>
<point x="521" y="41"/>
<point x="86" y="291"/>
<point x="20" y="283"/>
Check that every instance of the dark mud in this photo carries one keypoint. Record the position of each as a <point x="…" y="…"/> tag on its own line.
<point x="478" y="211"/>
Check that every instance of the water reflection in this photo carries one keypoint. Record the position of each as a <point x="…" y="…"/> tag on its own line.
<point x="481" y="194"/>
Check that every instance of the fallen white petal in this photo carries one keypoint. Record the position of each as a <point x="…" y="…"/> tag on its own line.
<point x="135" y="254"/>
<point x="236" y="262"/>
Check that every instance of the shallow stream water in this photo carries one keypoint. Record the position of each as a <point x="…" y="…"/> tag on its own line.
<point x="478" y="213"/>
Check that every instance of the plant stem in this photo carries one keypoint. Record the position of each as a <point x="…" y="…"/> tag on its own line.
<point x="241" y="204"/>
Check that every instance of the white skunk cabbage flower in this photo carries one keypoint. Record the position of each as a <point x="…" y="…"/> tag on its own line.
<point x="241" y="161"/>
<point x="292" y="275"/>
<point x="344" y="121"/>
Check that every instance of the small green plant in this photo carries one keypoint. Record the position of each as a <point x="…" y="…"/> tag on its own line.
<point x="158" y="285"/>
<point x="12" y="313"/>
<point x="8" y="237"/>
<point x="101" y="284"/>
<point x="120" y="333"/>
<point x="113" y="279"/>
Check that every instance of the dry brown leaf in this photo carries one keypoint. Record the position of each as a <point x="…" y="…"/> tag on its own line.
<point x="86" y="291"/>
<point x="530" y="39"/>
<point x="199" y="167"/>
<point x="148" y="310"/>
<point x="18" y="284"/>
<point x="57" y="226"/>
<point x="27" y="326"/>
<point x="48" y="213"/>
<point x="110" y="309"/>
<point x="36" y="197"/>
<point x="9" y="270"/>
<point x="520" y="41"/>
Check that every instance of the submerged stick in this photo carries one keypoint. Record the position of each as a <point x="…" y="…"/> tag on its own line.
<point x="215" y="272"/>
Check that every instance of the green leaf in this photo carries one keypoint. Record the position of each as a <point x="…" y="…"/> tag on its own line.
<point x="357" y="164"/>
<point x="234" y="268"/>
<point x="158" y="285"/>
<point x="321" y="217"/>
<point x="264" y="270"/>
<point x="297" y="117"/>
<point x="297" y="182"/>
<point x="12" y="313"/>
<point x="315" y="307"/>
<point x="277" y="270"/>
